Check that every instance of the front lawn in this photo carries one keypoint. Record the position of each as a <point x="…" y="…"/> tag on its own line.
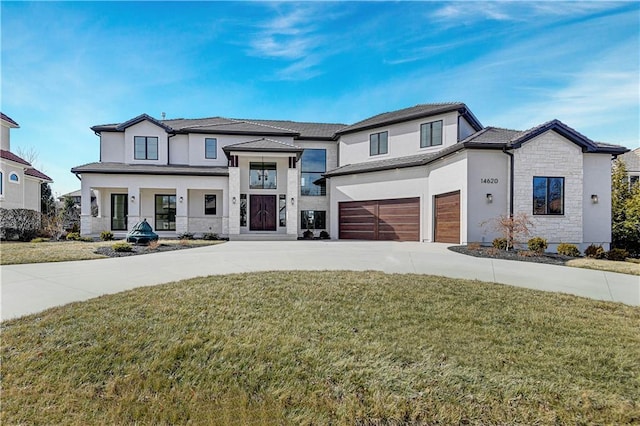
<point x="324" y="348"/>
<point x="12" y="253"/>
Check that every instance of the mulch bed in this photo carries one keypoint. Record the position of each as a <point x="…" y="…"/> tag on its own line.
<point x="141" y="249"/>
<point x="521" y="255"/>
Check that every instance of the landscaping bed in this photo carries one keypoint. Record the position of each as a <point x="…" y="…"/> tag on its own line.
<point x="137" y="249"/>
<point x="514" y="254"/>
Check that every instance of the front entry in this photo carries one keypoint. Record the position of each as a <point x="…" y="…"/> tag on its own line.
<point x="263" y="213"/>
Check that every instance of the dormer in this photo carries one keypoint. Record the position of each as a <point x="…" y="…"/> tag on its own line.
<point x="5" y="135"/>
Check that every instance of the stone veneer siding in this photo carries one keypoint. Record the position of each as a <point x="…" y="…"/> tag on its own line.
<point x="551" y="155"/>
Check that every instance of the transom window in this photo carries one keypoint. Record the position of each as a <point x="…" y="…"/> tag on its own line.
<point x="165" y="212"/>
<point x="262" y="176"/>
<point x="145" y="148"/>
<point x="431" y="134"/>
<point x="313" y="219"/>
<point x="209" y="204"/>
<point x="314" y="164"/>
<point x="378" y="143"/>
<point x="548" y="195"/>
<point x="211" y="148"/>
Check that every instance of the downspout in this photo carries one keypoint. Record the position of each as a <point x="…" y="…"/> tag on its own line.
<point x="168" y="150"/>
<point x="511" y="175"/>
<point x="100" y="136"/>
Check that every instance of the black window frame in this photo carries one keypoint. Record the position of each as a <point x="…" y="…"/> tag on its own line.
<point x="430" y="143"/>
<point x="377" y="143"/>
<point x="282" y="210"/>
<point x="170" y="212"/>
<point x="262" y="166"/>
<point x="147" y="139"/>
<point x="547" y="196"/>
<point x="319" y="218"/>
<point x="215" y="205"/>
<point x="125" y="204"/>
<point x="215" y="150"/>
<point x="309" y="175"/>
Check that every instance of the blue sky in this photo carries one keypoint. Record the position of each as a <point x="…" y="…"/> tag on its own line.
<point x="68" y="66"/>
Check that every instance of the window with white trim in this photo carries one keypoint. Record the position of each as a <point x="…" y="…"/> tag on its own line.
<point x="14" y="178"/>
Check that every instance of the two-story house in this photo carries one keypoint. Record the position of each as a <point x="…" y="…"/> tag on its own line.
<point x="20" y="182"/>
<point x="431" y="172"/>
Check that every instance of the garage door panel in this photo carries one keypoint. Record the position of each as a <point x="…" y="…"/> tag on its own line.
<point x="447" y="218"/>
<point x="397" y="219"/>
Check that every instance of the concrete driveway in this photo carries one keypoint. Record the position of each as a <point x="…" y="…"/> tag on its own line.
<point x="32" y="288"/>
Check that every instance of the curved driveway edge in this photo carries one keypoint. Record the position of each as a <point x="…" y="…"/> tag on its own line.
<point x="32" y="288"/>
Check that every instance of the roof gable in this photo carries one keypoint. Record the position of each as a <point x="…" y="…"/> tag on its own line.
<point x="37" y="174"/>
<point x="8" y="155"/>
<point x="562" y="129"/>
<point x="263" y="145"/>
<point x="140" y="118"/>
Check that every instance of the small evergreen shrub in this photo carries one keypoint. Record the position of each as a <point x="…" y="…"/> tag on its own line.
<point x="39" y="240"/>
<point x="186" y="236"/>
<point x="501" y="244"/>
<point x="106" y="235"/>
<point x="324" y="235"/>
<point x="308" y="234"/>
<point x="570" y="250"/>
<point x="73" y="236"/>
<point x="537" y="244"/>
<point x="617" y="254"/>
<point x="86" y="239"/>
<point x="595" y="252"/>
<point x="122" y="247"/>
<point x="210" y="236"/>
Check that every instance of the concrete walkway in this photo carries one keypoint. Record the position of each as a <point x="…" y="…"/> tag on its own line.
<point x="32" y="288"/>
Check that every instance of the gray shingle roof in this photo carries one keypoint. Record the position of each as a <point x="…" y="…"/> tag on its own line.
<point x="411" y="113"/>
<point x="153" y="169"/>
<point x="263" y="145"/>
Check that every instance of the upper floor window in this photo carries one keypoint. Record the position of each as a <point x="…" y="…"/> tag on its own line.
<point x="262" y="175"/>
<point x="209" y="204"/>
<point x="211" y="148"/>
<point x="378" y="143"/>
<point x="314" y="164"/>
<point x="145" y="148"/>
<point x="13" y="177"/>
<point x="431" y="134"/>
<point x="548" y="195"/>
<point x="633" y="179"/>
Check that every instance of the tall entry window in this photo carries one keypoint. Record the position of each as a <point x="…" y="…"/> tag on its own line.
<point x="145" y="148"/>
<point x="262" y="175"/>
<point x="314" y="164"/>
<point x="165" y="212"/>
<point x="548" y="195"/>
<point x="119" y="212"/>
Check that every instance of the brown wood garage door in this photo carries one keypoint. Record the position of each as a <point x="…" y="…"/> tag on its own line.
<point x="447" y="218"/>
<point x="397" y="220"/>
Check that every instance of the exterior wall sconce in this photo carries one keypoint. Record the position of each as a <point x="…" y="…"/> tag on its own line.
<point x="181" y="199"/>
<point x="133" y="198"/>
<point x="594" y="198"/>
<point x="233" y="200"/>
<point x="489" y="198"/>
<point x="292" y="200"/>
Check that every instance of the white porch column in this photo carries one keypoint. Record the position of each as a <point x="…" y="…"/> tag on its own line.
<point x="134" y="201"/>
<point x="234" y="201"/>
<point x="182" y="210"/>
<point x="85" y="208"/>
<point x="293" y="190"/>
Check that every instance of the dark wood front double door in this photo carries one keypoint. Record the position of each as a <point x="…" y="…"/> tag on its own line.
<point x="262" y="212"/>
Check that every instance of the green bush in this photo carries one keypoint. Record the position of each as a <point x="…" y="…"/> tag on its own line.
<point x="501" y="244"/>
<point x="73" y="236"/>
<point x="324" y="235"/>
<point x="186" y="236"/>
<point x="39" y="240"/>
<point x="86" y="239"/>
<point x="617" y="254"/>
<point x="595" y="251"/>
<point x="210" y="236"/>
<point x="106" y="235"/>
<point x="566" y="249"/>
<point x="122" y="247"/>
<point x="537" y="244"/>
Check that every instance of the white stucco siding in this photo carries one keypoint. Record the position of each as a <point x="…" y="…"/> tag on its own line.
<point x="466" y="129"/>
<point x="403" y="140"/>
<point x="12" y="192"/>
<point x="31" y="193"/>
<point x="112" y="147"/>
<point x="197" y="143"/>
<point x="551" y="155"/>
<point x="179" y="150"/>
<point x="388" y="184"/>
<point x="145" y="128"/>
<point x="597" y="216"/>
<point x="5" y="138"/>
<point x="446" y="175"/>
<point x="488" y="173"/>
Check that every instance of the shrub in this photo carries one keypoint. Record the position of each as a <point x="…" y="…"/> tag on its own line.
<point x="73" y="236"/>
<point x="106" y="235"/>
<point x="501" y="244"/>
<point x="513" y="228"/>
<point x="210" y="236"/>
<point x="308" y="234"/>
<point x="122" y="247"/>
<point x="153" y="245"/>
<point x="19" y="224"/>
<point x="617" y="254"/>
<point x="86" y="239"/>
<point x="39" y="240"/>
<point x="566" y="249"/>
<point x="595" y="251"/>
<point x="537" y="244"/>
<point x="324" y="235"/>
<point x="528" y="253"/>
<point x="186" y="236"/>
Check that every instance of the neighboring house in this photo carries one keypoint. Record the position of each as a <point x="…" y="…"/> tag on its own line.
<point x="20" y="182"/>
<point x="76" y="196"/>
<point x="632" y="162"/>
<point x="426" y="173"/>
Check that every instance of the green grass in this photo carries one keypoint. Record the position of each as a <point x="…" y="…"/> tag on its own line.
<point x="13" y="253"/>
<point x="324" y="348"/>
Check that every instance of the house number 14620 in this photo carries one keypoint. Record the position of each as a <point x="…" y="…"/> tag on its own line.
<point x="488" y="180"/>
